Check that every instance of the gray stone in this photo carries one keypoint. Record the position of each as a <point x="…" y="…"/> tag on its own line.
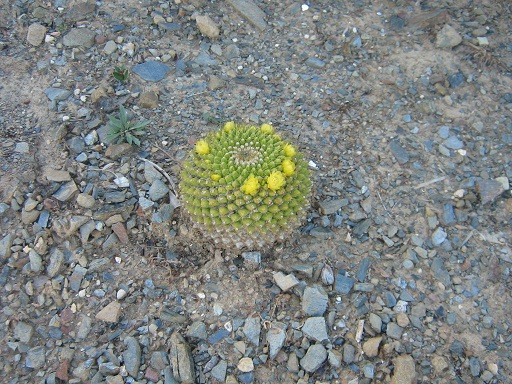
<point x="401" y="155"/>
<point x="86" y="229"/>
<point x="314" y="301"/>
<point x="349" y="353"/>
<point x="36" y="357"/>
<point x="57" y="94"/>
<point x="285" y="282"/>
<point x="444" y="132"/>
<point x="375" y="322"/>
<point x="362" y="227"/>
<point x="456" y="79"/>
<point x="181" y="359"/>
<point x="344" y="284"/>
<point x="110" y="313"/>
<point x="219" y="371"/>
<point x="253" y="259"/>
<point x="275" y="338"/>
<point x="23" y="332"/>
<point x="314" y="62"/>
<point x="362" y="271"/>
<point x="109" y="368"/>
<point x="457" y="347"/>
<point x="488" y="190"/>
<point x="56" y="260"/>
<point x="251" y="12"/>
<point x="334" y="357"/>
<point x="36" y="261"/>
<point x="207" y="26"/>
<point x="314" y="358"/>
<point x="438" y="237"/>
<point x="453" y="142"/>
<point x="448" y="216"/>
<point x="328" y="207"/>
<point x="159" y="360"/>
<point x="448" y="37"/>
<point x="315" y="328"/>
<point x="369" y="371"/>
<point x="252" y="329"/>
<point x="158" y="190"/>
<point x="35" y="35"/>
<point x="79" y="37"/>
<point x="151" y="70"/>
<point x="131" y="356"/>
<point x="84" y="327"/>
<point x="474" y="366"/>
<point x="75" y="280"/>
<point x="22" y="147"/>
<point x="394" y="331"/>
<point x="110" y="47"/>
<point x="5" y="246"/>
<point x="66" y="191"/>
<point x="440" y="271"/>
<point x="198" y="330"/>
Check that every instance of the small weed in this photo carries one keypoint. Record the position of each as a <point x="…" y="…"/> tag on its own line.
<point x="121" y="74"/>
<point x="121" y="129"/>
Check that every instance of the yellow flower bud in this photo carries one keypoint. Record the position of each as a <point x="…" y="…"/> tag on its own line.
<point x="267" y="128"/>
<point x="250" y="186"/>
<point x="216" y="177"/>
<point x="229" y="126"/>
<point x="289" y="150"/>
<point x="275" y="181"/>
<point x="288" y="167"/>
<point x="202" y="147"/>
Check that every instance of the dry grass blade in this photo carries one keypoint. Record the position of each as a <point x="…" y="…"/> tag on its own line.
<point x="485" y="57"/>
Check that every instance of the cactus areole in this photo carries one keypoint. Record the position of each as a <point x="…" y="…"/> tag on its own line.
<point x="245" y="187"/>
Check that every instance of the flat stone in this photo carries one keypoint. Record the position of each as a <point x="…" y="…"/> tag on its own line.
<point x="219" y="371"/>
<point x="207" y="26"/>
<point x="151" y="70"/>
<point x="57" y="94"/>
<point x="349" y="352"/>
<point x="83" y="327"/>
<point x="375" y="322"/>
<point x="110" y="313"/>
<point x="252" y="259"/>
<point x="131" y="356"/>
<point x="66" y="191"/>
<point x="158" y="190"/>
<point x="456" y="79"/>
<point x="394" y="331"/>
<point x="181" y="359"/>
<point x="401" y="155"/>
<point x="84" y="200"/>
<point x="5" y="246"/>
<point x="110" y="47"/>
<point x="36" y="357"/>
<point x="488" y="190"/>
<point x="328" y="207"/>
<point x="36" y="33"/>
<point x="293" y="363"/>
<point x="314" y="62"/>
<point x="56" y="260"/>
<point x="79" y="10"/>
<point x="115" y="151"/>
<point x="120" y="230"/>
<point x="79" y="37"/>
<point x="334" y="357"/>
<point x="252" y="329"/>
<point x="439" y="364"/>
<point x="453" y="142"/>
<point x="23" y="332"/>
<point x="448" y="37"/>
<point x="314" y="358"/>
<point x="344" y="284"/>
<point x="440" y="271"/>
<point x="314" y="301"/>
<point x="404" y="370"/>
<point x="198" y="330"/>
<point x="371" y="346"/>
<point x="285" y="282"/>
<point x="315" y="328"/>
<point x="251" y="12"/>
<point x="362" y="271"/>
<point x="159" y="360"/>
<point x="275" y="338"/>
<point x="245" y="364"/>
<point x="438" y="237"/>
<point x="28" y="217"/>
<point x="36" y="261"/>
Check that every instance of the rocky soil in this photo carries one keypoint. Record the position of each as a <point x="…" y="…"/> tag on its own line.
<point x="401" y="273"/>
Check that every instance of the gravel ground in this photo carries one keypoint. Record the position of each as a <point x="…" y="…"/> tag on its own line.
<point x="401" y="273"/>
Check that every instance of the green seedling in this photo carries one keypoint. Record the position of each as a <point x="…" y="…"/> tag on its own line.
<point x="121" y="74"/>
<point x="122" y="129"/>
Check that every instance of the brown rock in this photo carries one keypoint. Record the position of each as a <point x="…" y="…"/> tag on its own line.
<point x="110" y="313"/>
<point x="488" y="190"/>
<point x="115" y="151"/>
<point x="121" y="233"/>
<point x="371" y="346"/>
<point x="149" y="99"/>
<point x="405" y="370"/>
<point x="207" y="26"/>
<point x="35" y="35"/>
<point x="181" y="359"/>
<point x="62" y="371"/>
<point x="57" y="175"/>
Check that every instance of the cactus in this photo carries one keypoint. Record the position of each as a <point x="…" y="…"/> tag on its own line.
<point x="245" y="187"/>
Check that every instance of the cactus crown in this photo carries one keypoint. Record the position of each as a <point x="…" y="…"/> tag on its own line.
<point x="245" y="187"/>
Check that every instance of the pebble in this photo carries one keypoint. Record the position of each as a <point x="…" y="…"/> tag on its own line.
<point x="245" y="364"/>
<point x="371" y="346"/>
<point x="151" y="71"/>
<point x="375" y="322"/>
<point x="404" y="370"/>
<point x="401" y="155"/>
<point x="251" y="12"/>
<point x="285" y="282"/>
<point x="438" y="237"/>
<point x="110" y="313"/>
<point x="23" y="332"/>
<point x="219" y="371"/>
<point x="456" y="79"/>
<point x="315" y="328"/>
<point x="198" y="330"/>
<point x="36" y="261"/>
<point x="56" y="260"/>
<point x="488" y="190"/>
<point x="394" y="331"/>
<point x="207" y="26"/>
<point x="344" y="284"/>
<point x="85" y="200"/>
<point x="181" y="359"/>
<point x="57" y="94"/>
<point x="110" y="47"/>
<point x="79" y="37"/>
<point x="36" y="33"/>
<point x="22" y="147"/>
<point x="448" y="37"/>
<point x="314" y="358"/>
<point x="362" y="271"/>
<point x="132" y="356"/>
<point x="66" y="191"/>
<point x="328" y="207"/>
<point x="275" y="338"/>
<point x="36" y="357"/>
<point x="453" y="142"/>
<point x="313" y="62"/>
<point x="314" y="301"/>
<point x="252" y="329"/>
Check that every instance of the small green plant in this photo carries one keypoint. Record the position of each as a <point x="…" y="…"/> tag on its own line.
<point x="121" y="74"/>
<point x="245" y="187"/>
<point x="121" y="129"/>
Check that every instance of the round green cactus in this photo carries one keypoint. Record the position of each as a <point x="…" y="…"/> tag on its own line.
<point x="244" y="186"/>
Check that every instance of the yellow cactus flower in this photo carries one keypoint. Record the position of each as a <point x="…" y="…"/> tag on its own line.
<point x="216" y="177"/>
<point x="229" y="126"/>
<point x="251" y="185"/>
<point x="267" y="128"/>
<point x="202" y="147"/>
<point x="288" y="167"/>
<point x="275" y="181"/>
<point x="289" y="150"/>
